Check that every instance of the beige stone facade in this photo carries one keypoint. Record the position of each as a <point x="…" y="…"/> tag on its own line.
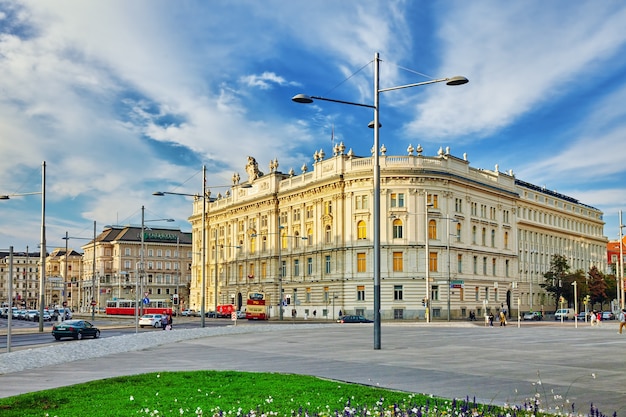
<point x="167" y="265"/>
<point x="314" y="231"/>
<point x="25" y="289"/>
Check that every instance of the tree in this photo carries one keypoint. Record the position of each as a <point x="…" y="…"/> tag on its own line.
<point x="597" y="286"/>
<point x="558" y="279"/>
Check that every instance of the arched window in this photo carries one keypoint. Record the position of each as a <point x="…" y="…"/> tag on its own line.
<point x="309" y="237"/>
<point x="296" y="240"/>
<point x="361" y="230"/>
<point x="432" y="229"/>
<point x="397" y="229"/>
<point x="283" y="240"/>
<point x="327" y="235"/>
<point x="253" y="244"/>
<point x="493" y="238"/>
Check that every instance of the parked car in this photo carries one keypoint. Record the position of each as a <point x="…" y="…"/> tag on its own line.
<point x="353" y="319"/>
<point x="532" y="315"/>
<point x="76" y="329"/>
<point x="607" y="315"/>
<point x="64" y="313"/>
<point x="582" y="315"/>
<point x="241" y="314"/>
<point x="188" y="313"/>
<point x="153" y="320"/>
<point x="567" y="313"/>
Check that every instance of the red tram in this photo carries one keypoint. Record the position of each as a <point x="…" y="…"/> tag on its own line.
<point x="127" y="307"/>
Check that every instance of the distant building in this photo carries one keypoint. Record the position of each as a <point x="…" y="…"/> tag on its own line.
<point x="485" y="237"/>
<point x="25" y="290"/>
<point x="166" y="266"/>
<point x="63" y="273"/>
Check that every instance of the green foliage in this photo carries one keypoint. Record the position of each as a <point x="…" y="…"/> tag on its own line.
<point x="597" y="283"/>
<point x="237" y="394"/>
<point x="558" y="279"/>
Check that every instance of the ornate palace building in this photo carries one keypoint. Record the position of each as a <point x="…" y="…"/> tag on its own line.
<point x="485" y="237"/>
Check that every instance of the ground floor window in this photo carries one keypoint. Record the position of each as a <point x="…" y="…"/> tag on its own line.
<point x="398" y="313"/>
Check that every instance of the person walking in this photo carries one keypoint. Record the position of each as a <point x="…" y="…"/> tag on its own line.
<point x="592" y="318"/>
<point x="490" y="317"/>
<point x="502" y="319"/>
<point x="164" y="320"/>
<point x="622" y="320"/>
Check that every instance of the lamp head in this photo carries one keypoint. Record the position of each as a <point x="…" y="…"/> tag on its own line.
<point x="457" y="80"/>
<point x="4" y="197"/>
<point x="158" y="193"/>
<point x="302" y="99"/>
<point x="371" y="125"/>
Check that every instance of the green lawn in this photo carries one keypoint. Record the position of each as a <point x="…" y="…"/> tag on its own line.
<point x="229" y="393"/>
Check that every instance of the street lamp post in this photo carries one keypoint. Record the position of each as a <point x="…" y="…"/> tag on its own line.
<point x="301" y="98"/>
<point x="621" y="262"/>
<point x="42" y="246"/>
<point x="93" y="267"/>
<point x="448" y="221"/>
<point x="205" y="194"/>
<point x="142" y="255"/>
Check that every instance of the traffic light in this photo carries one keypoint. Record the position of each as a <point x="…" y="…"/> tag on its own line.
<point x="424" y="302"/>
<point x="175" y="299"/>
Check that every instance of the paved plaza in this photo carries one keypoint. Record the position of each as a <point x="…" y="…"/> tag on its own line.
<point x="496" y="365"/>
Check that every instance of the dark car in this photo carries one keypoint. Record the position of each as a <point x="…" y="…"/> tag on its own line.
<point x="354" y="319"/>
<point x="76" y="329"/>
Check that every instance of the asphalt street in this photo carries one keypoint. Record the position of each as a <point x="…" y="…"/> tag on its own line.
<point x="559" y="364"/>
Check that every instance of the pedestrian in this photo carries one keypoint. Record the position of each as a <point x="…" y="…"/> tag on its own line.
<point x="490" y="319"/>
<point x="622" y="320"/>
<point x="599" y="317"/>
<point x="314" y="313"/>
<point x="502" y="319"/>
<point x="592" y="318"/>
<point x="164" y="320"/>
<point x="340" y="313"/>
<point x="170" y="322"/>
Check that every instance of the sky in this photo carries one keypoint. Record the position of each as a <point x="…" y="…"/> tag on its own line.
<point x="122" y="99"/>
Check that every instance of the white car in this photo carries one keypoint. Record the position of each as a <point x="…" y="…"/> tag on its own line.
<point x="188" y="313"/>
<point x="153" y="320"/>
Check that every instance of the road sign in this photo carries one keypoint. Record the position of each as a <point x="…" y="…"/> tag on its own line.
<point x="93" y="303"/>
<point x="233" y="315"/>
<point x="146" y="300"/>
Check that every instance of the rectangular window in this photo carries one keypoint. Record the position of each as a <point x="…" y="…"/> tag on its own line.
<point x="433" y="200"/>
<point x="309" y="266"/>
<point x="361" y="262"/>
<point x="397" y="292"/>
<point x="296" y="267"/>
<point x="360" y="293"/>
<point x="397" y="200"/>
<point x="326" y="295"/>
<point x="476" y="294"/>
<point x="263" y="270"/>
<point x="397" y="262"/>
<point x="461" y="294"/>
<point x="328" y="207"/>
<point x="484" y="265"/>
<point x="327" y="263"/>
<point x="283" y="269"/>
<point x="475" y="265"/>
<point x="398" y="313"/>
<point x="459" y="263"/>
<point x="432" y="262"/>
<point x="308" y="295"/>
<point x="506" y="268"/>
<point x="493" y="267"/>
<point x="434" y="293"/>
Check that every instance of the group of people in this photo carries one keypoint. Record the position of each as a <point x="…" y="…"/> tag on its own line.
<point x="501" y="317"/>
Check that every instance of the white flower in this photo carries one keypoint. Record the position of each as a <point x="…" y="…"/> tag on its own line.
<point x="132" y="398"/>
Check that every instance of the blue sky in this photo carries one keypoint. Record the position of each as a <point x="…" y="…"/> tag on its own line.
<point x="125" y="98"/>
